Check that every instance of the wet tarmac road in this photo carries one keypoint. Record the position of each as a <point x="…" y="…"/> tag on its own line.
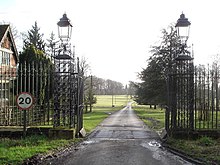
<point x="121" y="139"/>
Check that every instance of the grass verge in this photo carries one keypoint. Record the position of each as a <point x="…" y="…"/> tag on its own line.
<point x="153" y="118"/>
<point x="204" y="149"/>
<point x="15" y="151"/>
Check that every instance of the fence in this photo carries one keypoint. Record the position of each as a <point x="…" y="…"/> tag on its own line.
<point x="193" y="103"/>
<point x="53" y="105"/>
<point x="207" y="99"/>
<point x="33" y="78"/>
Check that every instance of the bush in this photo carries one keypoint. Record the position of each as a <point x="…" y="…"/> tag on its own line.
<point x="206" y="141"/>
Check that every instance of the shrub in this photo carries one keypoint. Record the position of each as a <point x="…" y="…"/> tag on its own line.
<point x="205" y="141"/>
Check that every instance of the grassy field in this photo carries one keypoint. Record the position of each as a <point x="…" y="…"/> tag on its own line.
<point x="154" y="118"/>
<point x="15" y="151"/>
<point x="102" y="109"/>
<point x="109" y="100"/>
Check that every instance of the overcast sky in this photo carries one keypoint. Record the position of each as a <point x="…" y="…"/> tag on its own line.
<point x="116" y="35"/>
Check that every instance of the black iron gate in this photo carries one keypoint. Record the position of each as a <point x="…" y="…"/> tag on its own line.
<point x="193" y="102"/>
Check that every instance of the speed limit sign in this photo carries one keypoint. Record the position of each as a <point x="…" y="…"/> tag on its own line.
<point x="24" y="101"/>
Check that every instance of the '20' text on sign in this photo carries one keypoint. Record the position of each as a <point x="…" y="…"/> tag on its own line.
<point x="24" y="101"/>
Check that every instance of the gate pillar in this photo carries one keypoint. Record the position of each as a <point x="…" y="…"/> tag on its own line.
<point x="180" y="113"/>
<point x="64" y="91"/>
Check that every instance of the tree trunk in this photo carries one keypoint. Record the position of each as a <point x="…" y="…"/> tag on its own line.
<point x="90" y="107"/>
<point x="86" y="107"/>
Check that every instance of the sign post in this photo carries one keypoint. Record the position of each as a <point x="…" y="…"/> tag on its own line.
<point x="24" y="102"/>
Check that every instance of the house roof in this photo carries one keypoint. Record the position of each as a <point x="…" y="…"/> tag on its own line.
<point x="5" y="30"/>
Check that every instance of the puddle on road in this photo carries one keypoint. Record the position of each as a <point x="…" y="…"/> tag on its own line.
<point x="89" y="142"/>
<point x="154" y="144"/>
<point x="85" y="143"/>
<point x="159" y="153"/>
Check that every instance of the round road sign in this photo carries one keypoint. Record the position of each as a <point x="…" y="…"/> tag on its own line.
<point x="24" y="100"/>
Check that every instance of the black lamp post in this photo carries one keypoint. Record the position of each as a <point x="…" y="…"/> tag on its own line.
<point x="64" y="77"/>
<point x="180" y="84"/>
<point x="64" y="33"/>
<point x="183" y="80"/>
<point x="182" y="28"/>
<point x="64" y="55"/>
<point x="64" y="28"/>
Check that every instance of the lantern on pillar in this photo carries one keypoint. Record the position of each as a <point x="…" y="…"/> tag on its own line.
<point x="64" y="28"/>
<point x="64" y="68"/>
<point x="182" y="28"/>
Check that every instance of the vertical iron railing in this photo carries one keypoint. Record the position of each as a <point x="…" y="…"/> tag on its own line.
<point x="207" y="98"/>
<point x="28" y="77"/>
<point x="193" y="98"/>
<point x="180" y="111"/>
<point x="68" y="92"/>
<point x="57" y="90"/>
<point x="63" y="84"/>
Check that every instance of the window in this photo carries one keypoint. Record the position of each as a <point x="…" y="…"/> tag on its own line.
<point x="4" y="58"/>
<point x="1" y="54"/>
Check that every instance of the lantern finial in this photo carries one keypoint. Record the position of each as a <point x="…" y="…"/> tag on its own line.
<point x="64" y="28"/>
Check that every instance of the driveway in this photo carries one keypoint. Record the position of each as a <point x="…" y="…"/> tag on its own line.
<point x="121" y="139"/>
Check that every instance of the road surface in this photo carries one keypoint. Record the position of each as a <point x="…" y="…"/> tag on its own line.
<point x="121" y="139"/>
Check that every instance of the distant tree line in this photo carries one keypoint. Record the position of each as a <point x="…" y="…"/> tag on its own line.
<point x="108" y="87"/>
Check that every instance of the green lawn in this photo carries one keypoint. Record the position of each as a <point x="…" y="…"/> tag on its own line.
<point x="108" y="100"/>
<point x="102" y="109"/>
<point x="154" y="118"/>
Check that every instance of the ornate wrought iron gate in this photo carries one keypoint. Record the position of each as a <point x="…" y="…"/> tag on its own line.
<point x="193" y="102"/>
